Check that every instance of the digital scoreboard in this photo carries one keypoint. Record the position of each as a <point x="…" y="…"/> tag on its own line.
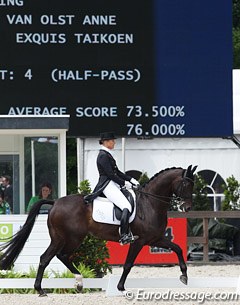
<point x="139" y="68"/>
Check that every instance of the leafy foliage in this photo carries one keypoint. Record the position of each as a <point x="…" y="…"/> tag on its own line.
<point x="71" y="148"/>
<point x="236" y="13"/>
<point x="93" y="252"/>
<point x="236" y="48"/>
<point x="200" y="203"/>
<point x="85" y="271"/>
<point x="9" y="274"/>
<point x="232" y="194"/>
<point x="84" y="187"/>
<point x="200" y="199"/>
<point x="236" y="34"/>
<point x="143" y="178"/>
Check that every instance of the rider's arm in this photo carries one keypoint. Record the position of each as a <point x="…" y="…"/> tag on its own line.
<point x="105" y="165"/>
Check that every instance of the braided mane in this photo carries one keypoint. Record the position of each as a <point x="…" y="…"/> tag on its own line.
<point x="157" y="174"/>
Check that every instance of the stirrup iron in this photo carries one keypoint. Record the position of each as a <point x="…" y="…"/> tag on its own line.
<point x="128" y="238"/>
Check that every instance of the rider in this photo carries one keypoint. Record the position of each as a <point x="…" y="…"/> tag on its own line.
<point x="110" y="182"/>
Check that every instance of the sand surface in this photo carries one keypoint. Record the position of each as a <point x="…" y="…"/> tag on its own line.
<point x="146" y="296"/>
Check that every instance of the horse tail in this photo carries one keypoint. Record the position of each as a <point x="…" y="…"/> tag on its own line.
<point x="16" y="244"/>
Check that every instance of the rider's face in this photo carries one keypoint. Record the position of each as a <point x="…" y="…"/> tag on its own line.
<point x="109" y="143"/>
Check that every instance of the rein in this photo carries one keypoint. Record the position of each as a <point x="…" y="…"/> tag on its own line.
<point x="173" y="199"/>
<point x="155" y="196"/>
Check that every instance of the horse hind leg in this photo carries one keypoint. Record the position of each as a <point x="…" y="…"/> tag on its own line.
<point x="64" y="255"/>
<point x="65" y="259"/>
<point x="45" y="259"/>
<point x="133" y="251"/>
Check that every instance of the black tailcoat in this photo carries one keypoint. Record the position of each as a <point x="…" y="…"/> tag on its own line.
<point x="108" y="171"/>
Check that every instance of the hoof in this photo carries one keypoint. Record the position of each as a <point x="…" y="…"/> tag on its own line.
<point x="184" y="279"/>
<point x="79" y="288"/>
<point x="43" y="294"/>
<point x="120" y="288"/>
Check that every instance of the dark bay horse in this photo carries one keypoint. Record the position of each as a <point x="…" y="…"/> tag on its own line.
<point x="70" y="220"/>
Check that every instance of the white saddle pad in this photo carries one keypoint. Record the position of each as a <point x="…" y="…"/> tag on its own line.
<point x="103" y="211"/>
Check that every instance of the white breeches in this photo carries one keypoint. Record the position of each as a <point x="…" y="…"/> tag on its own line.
<point x="113" y="193"/>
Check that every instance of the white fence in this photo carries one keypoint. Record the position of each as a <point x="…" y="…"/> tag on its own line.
<point x="36" y="244"/>
<point x="110" y="284"/>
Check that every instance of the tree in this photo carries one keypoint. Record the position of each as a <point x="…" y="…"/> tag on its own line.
<point x="93" y="252"/>
<point x="232" y="194"/>
<point x="71" y="166"/>
<point x="200" y="202"/>
<point x="236" y="34"/>
<point x="236" y="48"/>
<point x="236" y="13"/>
<point x="143" y="178"/>
<point x="200" y="199"/>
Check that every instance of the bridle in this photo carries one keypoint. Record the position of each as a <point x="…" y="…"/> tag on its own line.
<point x="175" y="200"/>
<point x="180" y="199"/>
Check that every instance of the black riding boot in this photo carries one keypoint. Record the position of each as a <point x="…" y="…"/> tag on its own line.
<point x="126" y="235"/>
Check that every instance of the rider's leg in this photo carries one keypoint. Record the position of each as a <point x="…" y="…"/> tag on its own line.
<point x="126" y="235"/>
<point x="124" y="225"/>
<point x="113" y="193"/>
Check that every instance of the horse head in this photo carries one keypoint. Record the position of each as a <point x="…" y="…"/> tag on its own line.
<point x="183" y="189"/>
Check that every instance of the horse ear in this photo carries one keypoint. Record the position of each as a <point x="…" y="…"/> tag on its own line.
<point x="194" y="168"/>
<point x="189" y="170"/>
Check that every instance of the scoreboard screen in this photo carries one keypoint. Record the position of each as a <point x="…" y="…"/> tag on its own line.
<point x="154" y="68"/>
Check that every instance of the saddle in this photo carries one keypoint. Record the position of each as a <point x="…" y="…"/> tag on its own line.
<point x="105" y="211"/>
<point x="117" y="212"/>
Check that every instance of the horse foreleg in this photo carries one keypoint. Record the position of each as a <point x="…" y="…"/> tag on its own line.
<point x="133" y="251"/>
<point x="167" y="244"/>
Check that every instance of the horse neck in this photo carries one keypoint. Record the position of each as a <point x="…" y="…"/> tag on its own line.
<point x="162" y="189"/>
<point x="161" y="185"/>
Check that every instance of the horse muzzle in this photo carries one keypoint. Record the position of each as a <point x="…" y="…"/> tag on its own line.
<point x="184" y="206"/>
